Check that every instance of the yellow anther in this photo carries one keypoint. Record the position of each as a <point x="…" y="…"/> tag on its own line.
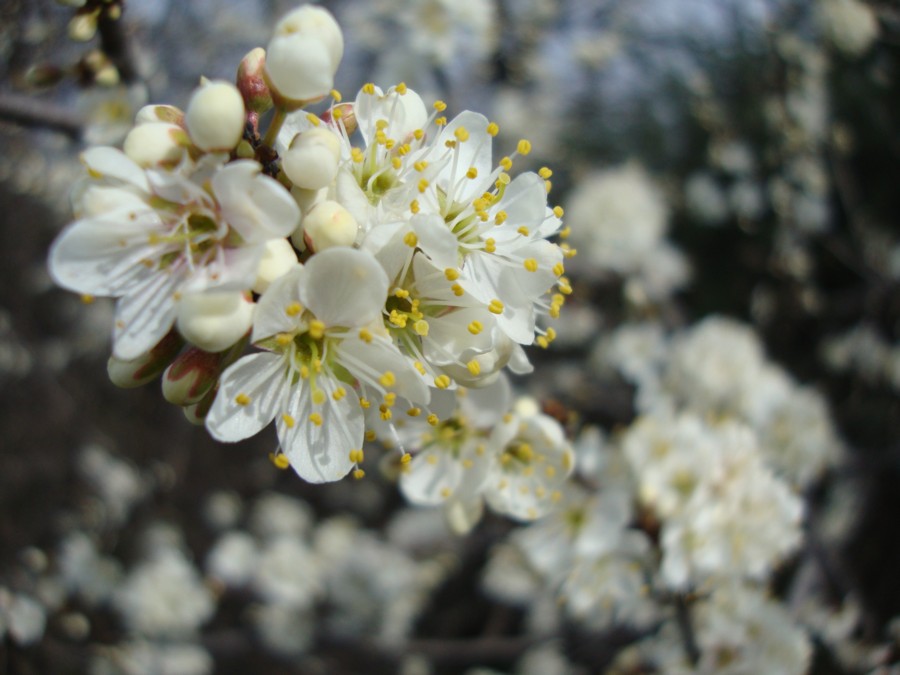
<point x="551" y="334"/>
<point x="475" y="327"/>
<point x="338" y="393"/>
<point x="381" y="124"/>
<point x="396" y="162"/>
<point x="242" y="399"/>
<point x="500" y="217"/>
<point x="540" y="492"/>
<point x="451" y="273"/>
<point x="421" y="327"/>
<point x="554" y="312"/>
<point x="414" y="206"/>
<point x="496" y="307"/>
<point x="397" y="319"/>
<point x="458" y="290"/>
<point x="490" y="245"/>
<point x="414" y="412"/>
<point x="559" y="269"/>
<point x="364" y="403"/>
<point x="410" y="239"/>
<point x="87" y="298"/>
<point x="401" y="293"/>
<point x="531" y="264"/>
<point x="468" y="463"/>
<point x="316" y="329"/>
<point x="542" y="342"/>
<point x="549" y="471"/>
<point x="548" y="185"/>
<point x="357" y="456"/>
<point x="365" y="335"/>
<point x="404" y="150"/>
<point x="419" y="134"/>
<point x="359" y="474"/>
<point x="390" y="398"/>
<point x="405" y="458"/>
<point x="442" y="381"/>
<point x="280" y="460"/>
<point x="381" y="137"/>
<point x="446" y="492"/>
<point x="401" y="88"/>
<point x="386" y="413"/>
<point x="440" y="106"/>
<point x="370" y="436"/>
<point x="564" y="286"/>
<point x="388" y="379"/>
<point x="474" y="367"/>
<point x="316" y="419"/>
<point x="288" y="420"/>
<point x="423" y="185"/>
<point x="472" y="173"/>
<point x="462" y="134"/>
<point x="284" y="339"/>
<point x="523" y="147"/>
<point x="418" y="366"/>
<point x="506" y="163"/>
<point x="451" y="143"/>
<point x="524" y="231"/>
<point x="503" y="179"/>
<point x="368" y="88"/>
<point x="441" y="121"/>
<point x="293" y="309"/>
<point x="545" y="172"/>
<point x="389" y="144"/>
<point x="558" y="211"/>
<point x="565" y="232"/>
<point x="493" y="129"/>
<point x="336" y="95"/>
<point x="357" y="155"/>
<point x="433" y="420"/>
<point x="304" y="371"/>
<point x="432" y="459"/>
<point x="319" y="397"/>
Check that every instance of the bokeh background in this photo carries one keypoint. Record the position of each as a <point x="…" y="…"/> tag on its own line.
<point x="737" y="158"/>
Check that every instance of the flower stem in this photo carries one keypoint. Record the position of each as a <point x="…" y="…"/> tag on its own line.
<point x="275" y="126"/>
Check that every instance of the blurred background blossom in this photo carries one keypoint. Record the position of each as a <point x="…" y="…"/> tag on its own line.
<point x="727" y="368"/>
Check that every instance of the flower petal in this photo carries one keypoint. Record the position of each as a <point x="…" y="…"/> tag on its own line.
<point x="275" y="311"/>
<point x="319" y="448"/>
<point x="145" y="315"/>
<point x="254" y="204"/>
<point x="249" y="393"/>
<point x="112" y="163"/>
<point x="344" y="287"/>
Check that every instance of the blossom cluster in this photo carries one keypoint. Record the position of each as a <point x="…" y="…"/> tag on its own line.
<point x="378" y="257"/>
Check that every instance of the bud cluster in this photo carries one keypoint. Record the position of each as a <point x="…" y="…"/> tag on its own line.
<point x="376" y="257"/>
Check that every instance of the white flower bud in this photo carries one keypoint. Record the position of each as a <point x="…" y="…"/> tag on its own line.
<point x="215" y="116"/>
<point x="311" y="162"/>
<point x="329" y="224"/>
<point x="304" y="54"/>
<point x="155" y="143"/>
<point x="279" y="259"/>
<point x="251" y="82"/>
<point x="215" y="320"/>
<point x="150" y="114"/>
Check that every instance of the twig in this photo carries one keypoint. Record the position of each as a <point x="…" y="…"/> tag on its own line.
<point x="31" y="112"/>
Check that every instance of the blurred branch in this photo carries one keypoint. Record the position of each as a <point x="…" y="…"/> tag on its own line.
<point x="30" y="112"/>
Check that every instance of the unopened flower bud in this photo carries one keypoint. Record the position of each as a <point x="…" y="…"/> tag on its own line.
<point x="329" y="224"/>
<point x="215" y="116"/>
<point x="344" y="114"/>
<point x="159" y="113"/>
<point x="83" y="26"/>
<point x="196" y="413"/>
<point x="304" y="54"/>
<point x="279" y="259"/>
<point x="146" y="367"/>
<point x="156" y="144"/>
<point x="251" y="82"/>
<point x="190" y="376"/>
<point x="311" y="162"/>
<point x="215" y="320"/>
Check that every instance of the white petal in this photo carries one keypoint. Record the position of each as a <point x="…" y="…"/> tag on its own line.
<point x="320" y="453"/>
<point x="103" y="255"/>
<point x="115" y="164"/>
<point x="271" y="315"/>
<point x="449" y="338"/>
<point x="472" y="153"/>
<point x="380" y="356"/>
<point x="433" y="475"/>
<point x="436" y="240"/>
<point x="145" y="315"/>
<point x="261" y="379"/>
<point x="485" y="407"/>
<point x="344" y="287"/>
<point x="524" y="201"/>
<point x="234" y="269"/>
<point x="257" y="206"/>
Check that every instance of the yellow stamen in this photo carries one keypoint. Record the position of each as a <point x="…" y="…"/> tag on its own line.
<point x="242" y="399"/>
